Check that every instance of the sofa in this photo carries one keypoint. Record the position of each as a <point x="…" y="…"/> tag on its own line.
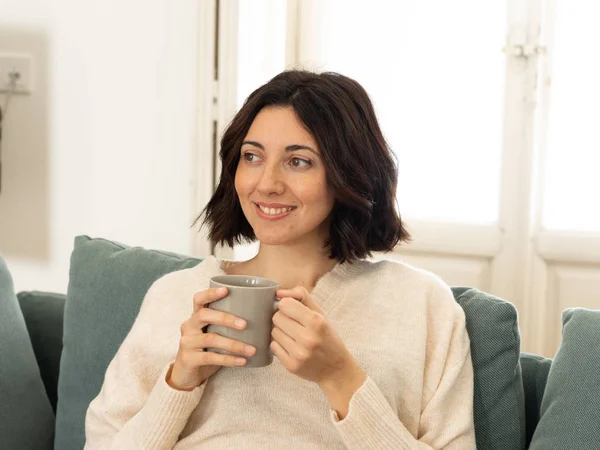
<point x="55" y="348"/>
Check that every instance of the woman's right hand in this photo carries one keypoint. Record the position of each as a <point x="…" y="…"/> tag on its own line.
<point x="193" y="364"/>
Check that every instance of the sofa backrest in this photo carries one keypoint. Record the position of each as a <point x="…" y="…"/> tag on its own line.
<point x="43" y="312"/>
<point x="535" y="376"/>
<point x="43" y="315"/>
<point x="106" y="287"/>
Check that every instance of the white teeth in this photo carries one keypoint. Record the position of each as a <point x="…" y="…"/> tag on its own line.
<point x="274" y="211"/>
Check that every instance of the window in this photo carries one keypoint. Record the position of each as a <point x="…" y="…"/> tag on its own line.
<point x="459" y="113"/>
<point x="261" y="44"/>
<point x="572" y="183"/>
<point x="436" y="78"/>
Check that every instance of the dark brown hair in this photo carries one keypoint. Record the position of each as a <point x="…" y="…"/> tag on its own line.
<point x="360" y="168"/>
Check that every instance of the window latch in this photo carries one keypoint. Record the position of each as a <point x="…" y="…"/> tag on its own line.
<point x="523" y="50"/>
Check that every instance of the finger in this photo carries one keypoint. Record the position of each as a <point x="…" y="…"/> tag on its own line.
<point x="301" y="294"/>
<point x="298" y="312"/>
<point x="207" y="316"/>
<point x="290" y="346"/>
<point x="213" y="340"/>
<point x="289" y="326"/>
<point x="202" y="298"/>
<point x="297" y="292"/>
<point x="199" y="359"/>
<point x="280" y="353"/>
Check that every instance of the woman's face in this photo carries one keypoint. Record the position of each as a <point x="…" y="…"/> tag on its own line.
<point x="280" y="180"/>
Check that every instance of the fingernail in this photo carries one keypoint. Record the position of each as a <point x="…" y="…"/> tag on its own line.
<point x="221" y="291"/>
<point x="249" y="350"/>
<point x="239" y="323"/>
<point x="240" y="361"/>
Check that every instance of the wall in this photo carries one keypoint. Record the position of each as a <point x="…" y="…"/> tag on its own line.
<point x="105" y="144"/>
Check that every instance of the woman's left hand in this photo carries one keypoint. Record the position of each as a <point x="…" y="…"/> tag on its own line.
<point x="307" y="345"/>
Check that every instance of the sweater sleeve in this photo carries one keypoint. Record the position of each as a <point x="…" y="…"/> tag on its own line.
<point x="446" y="422"/>
<point x="136" y="408"/>
<point x="446" y="415"/>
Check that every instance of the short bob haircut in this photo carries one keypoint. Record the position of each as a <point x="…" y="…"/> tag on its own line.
<point x="360" y="168"/>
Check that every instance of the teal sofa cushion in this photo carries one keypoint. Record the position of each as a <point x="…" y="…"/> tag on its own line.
<point x="570" y="414"/>
<point x="535" y="370"/>
<point x="107" y="283"/>
<point x="26" y="417"/>
<point x="499" y="401"/>
<point x="43" y="313"/>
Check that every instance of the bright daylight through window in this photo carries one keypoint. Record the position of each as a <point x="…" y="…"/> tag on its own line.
<point x="439" y="100"/>
<point x="572" y="184"/>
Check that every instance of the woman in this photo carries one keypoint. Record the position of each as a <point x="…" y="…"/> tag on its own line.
<point x="368" y="355"/>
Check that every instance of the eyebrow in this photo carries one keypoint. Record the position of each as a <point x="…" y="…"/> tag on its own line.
<point x="289" y="148"/>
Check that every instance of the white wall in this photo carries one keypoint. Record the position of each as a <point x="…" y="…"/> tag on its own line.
<point x="105" y="144"/>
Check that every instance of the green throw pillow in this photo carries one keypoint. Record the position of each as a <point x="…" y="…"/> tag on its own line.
<point x="107" y="283"/>
<point x="570" y="414"/>
<point x="26" y="418"/>
<point x="499" y="404"/>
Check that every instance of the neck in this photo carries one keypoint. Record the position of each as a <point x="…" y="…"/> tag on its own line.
<point x="291" y="265"/>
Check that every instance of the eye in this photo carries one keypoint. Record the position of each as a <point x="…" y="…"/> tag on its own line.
<point x="300" y="163"/>
<point x="250" y="157"/>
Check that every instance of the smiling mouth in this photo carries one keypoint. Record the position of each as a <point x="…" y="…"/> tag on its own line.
<point x="273" y="213"/>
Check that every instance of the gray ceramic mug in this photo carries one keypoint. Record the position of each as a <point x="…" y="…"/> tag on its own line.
<point x="252" y="299"/>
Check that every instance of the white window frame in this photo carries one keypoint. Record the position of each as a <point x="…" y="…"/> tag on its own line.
<point x="484" y="240"/>
<point x="514" y="228"/>
<point x="217" y="69"/>
<point x="517" y="245"/>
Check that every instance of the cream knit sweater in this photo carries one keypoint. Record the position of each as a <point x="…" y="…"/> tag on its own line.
<point x="400" y="323"/>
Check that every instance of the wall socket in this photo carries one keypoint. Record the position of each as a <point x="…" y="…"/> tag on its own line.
<point x="20" y="64"/>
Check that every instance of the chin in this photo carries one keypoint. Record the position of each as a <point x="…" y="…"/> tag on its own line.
<point x="269" y="239"/>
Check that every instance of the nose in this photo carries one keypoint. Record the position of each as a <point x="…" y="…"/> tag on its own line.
<point x="271" y="182"/>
